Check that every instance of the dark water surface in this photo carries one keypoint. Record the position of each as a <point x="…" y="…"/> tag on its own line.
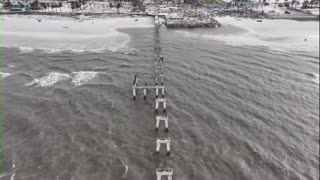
<point x="235" y="112"/>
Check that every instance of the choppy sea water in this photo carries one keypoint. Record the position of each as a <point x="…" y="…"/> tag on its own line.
<point x="235" y="112"/>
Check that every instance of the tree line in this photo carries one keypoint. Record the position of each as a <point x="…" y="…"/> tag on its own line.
<point x="76" y="4"/>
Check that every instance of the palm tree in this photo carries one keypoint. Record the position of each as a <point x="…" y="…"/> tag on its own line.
<point x="72" y="6"/>
<point x="7" y="4"/>
<point x="118" y="6"/>
<point x="292" y="3"/>
<point x="275" y="3"/>
<point x="312" y="2"/>
<point x="305" y="4"/>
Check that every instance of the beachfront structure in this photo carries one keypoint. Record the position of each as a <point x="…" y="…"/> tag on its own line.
<point x="238" y="3"/>
<point x="19" y="5"/>
<point x="191" y="1"/>
<point x="50" y="1"/>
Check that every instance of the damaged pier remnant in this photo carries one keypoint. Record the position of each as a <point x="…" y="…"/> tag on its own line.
<point x="162" y="118"/>
<point x="155" y="81"/>
<point x="165" y="141"/>
<point x="147" y="84"/>
<point x="164" y="172"/>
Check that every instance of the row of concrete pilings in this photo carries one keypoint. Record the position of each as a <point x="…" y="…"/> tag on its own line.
<point x="157" y="84"/>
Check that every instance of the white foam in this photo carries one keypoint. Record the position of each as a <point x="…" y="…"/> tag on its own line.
<point x="4" y="75"/>
<point x="25" y="49"/>
<point x="54" y="34"/>
<point x="14" y="172"/>
<point x="82" y="77"/>
<point x="49" y="80"/>
<point x="13" y="176"/>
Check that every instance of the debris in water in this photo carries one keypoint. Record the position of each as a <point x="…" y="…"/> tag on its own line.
<point x="126" y="170"/>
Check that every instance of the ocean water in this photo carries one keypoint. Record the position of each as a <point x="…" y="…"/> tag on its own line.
<point x="237" y="110"/>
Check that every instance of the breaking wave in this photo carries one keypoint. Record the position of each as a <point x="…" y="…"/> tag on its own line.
<point x="82" y="77"/>
<point x="49" y="80"/>
<point x="4" y="75"/>
<point x="77" y="78"/>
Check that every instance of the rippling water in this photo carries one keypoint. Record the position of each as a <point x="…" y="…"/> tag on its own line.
<point x="235" y="112"/>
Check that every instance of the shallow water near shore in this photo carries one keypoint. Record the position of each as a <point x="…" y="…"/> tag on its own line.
<point x="237" y="111"/>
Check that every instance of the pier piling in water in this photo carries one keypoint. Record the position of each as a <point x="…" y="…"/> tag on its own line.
<point x="162" y="118"/>
<point x="161" y="141"/>
<point x="164" y="172"/>
<point x="164" y="104"/>
<point x="156" y="78"/>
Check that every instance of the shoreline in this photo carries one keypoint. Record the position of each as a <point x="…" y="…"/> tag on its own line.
<point x="74" y="14"/>
<point x="90" y="33"/>
<point x="111" y="14"/>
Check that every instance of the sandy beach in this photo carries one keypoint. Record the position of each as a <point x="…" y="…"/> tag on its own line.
<point x="99" y="33"/>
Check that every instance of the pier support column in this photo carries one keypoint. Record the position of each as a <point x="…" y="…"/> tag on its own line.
<point x="166" y="125"/>
<point x="158" y="147"/>
<point x="162" y="90"/>
<point x="135" y="81"/>
<point x="144" y="93"/>
<point x="157" y="123"/>
<point x="163" y="141"/>
<point x="157" y="106"/>
<point x="168" y="148"/>
<point x="134" y="93"/>
<point x="157" y="92"/>
<point x="164" y="172"/>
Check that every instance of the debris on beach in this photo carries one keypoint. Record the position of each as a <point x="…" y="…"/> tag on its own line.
<point x="188" y="17"/>
<point x="192" y="23"/>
